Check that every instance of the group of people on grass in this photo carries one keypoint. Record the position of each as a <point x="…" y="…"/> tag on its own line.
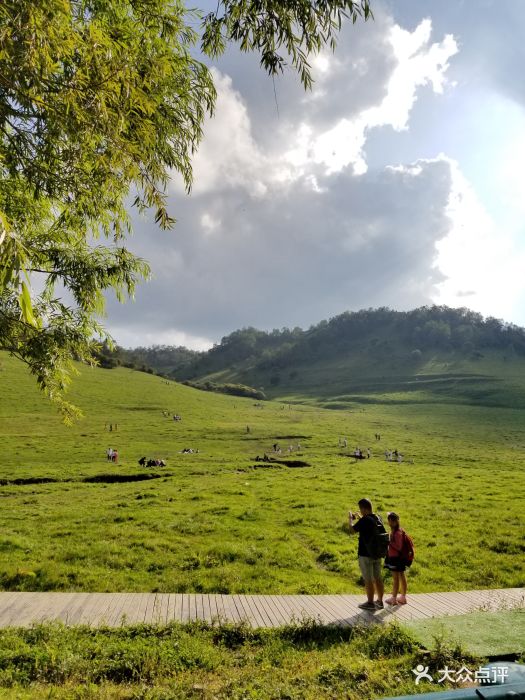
<point x="112" y="455"/>
<point x="396" y="549"/>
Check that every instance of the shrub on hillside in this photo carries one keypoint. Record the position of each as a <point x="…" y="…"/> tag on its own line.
<point x="231" y="389"/>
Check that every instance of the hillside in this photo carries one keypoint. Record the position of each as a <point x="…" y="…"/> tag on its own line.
<point x="218" y="519"/>
<point x="434" y="354"/>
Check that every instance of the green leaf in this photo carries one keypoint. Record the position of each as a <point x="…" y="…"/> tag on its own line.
<point x="26" y="306"/>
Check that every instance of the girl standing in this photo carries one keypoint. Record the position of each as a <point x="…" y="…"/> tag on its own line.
<point x="395" y="563"/>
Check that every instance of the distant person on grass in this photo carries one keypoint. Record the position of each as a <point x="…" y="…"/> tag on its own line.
<point x="372" y="548"/>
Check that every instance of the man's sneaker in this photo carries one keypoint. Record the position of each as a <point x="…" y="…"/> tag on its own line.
<point x="402" y="600"/>
<point x="379" y="604"/>
<point x="367" y="606"/>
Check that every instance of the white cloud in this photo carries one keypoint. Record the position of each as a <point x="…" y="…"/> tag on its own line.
<point x="418" y="63"/>
<point x="129" y="337"/>
<point x="209" y="224"/>
<point x="228" y="155"/>
<point x="481" y="261"/>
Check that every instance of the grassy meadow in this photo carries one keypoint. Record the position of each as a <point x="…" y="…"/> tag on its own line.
<point x="176" y="662"/>
<point x="217" y="520"/>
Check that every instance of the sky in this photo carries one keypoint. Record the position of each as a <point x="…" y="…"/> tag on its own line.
<point x="397" y="181"/>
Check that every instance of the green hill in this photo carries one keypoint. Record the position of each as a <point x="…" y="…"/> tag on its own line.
<point x="429" y="355"/>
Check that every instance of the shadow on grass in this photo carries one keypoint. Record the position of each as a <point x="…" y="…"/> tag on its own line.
<point x="97" y="479"/>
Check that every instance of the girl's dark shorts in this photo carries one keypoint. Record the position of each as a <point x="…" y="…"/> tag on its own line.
<point x="395" y="564"/>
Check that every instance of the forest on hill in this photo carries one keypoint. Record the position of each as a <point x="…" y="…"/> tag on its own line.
<point x="379" y="331"/>
<point x="435" y="328"/>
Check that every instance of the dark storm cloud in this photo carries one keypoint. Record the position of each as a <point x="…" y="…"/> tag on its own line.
<point x="296" y="255"/>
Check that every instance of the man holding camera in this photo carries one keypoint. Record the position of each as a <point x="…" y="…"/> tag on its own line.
<point x="372" y="539"/>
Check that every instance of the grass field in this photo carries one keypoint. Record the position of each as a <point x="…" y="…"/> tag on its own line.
<point x="480" y="633"/>
<point x="219" y="521"/>
<point x="222" y="663"/>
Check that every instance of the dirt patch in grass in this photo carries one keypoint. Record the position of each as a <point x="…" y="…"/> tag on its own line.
<point x="29" y="481"/>
<point x="292" y="462"/>
<point x="97" y="479"/>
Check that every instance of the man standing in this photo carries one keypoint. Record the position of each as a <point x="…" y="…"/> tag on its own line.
<point x="373" y="538"/>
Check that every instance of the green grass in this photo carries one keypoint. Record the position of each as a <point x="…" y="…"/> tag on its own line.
<point x="213" y="522"/>
<point x="302" y="662"/>
<point x="480" y="633"/>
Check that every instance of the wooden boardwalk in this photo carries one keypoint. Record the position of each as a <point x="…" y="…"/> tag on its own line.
<point x="116" y="609"/>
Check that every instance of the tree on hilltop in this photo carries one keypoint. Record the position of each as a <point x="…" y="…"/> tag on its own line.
<point x="100" y="100"/>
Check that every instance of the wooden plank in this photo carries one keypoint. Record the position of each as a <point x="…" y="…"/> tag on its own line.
<point x="154" y="614"/>
<point x="472" y="601"/>
<point x="38" y="609"/>
<point x="95" y="611"/>
<point x="215" y="606"/>
<point x="438" y="606"/>
<point x="199" y="606"/>
<point x="214" y="611"/>
<point x="223" y="607"/>
<point x="288" y="610"/>
<point x="158" y="612"/>
<point x="171" y="608"/>
<point x="89" y="609"/>
<point x="295" y="611"/>
<point x="279" y="612"/>
<point x="462" y="600"/>
<point x="307" y="606"/>
<point x="434" y="607"/>
<point x="258" y="604"/>
<point x="403" y="613"/>
<point x="238" y="609"/>
<point x="354" y="614"/>
<point x="54" y="604"/>
<point x="342" y="611"/>
<point x="114" y="613"/>
<point x="178" y="607"/>
<point x="332" y="610"/>
<point x="448" y="600"/>
<point x="69" y="615"/>
<point x="121" y="610"/>
<point x="421" y="607"/>
<point x="6" y="597"/>
<point x="271" y="610"/>
<point x="24" y="609"/>
<point x="185" y="615"/>
<point x="317" y="611"/>
<point x="145" y="604"/>
<point x="105" y="609"/>
<point x="8" y="601"/>
<point x="250" y="611"/>
<point x="12" y="604"/>
<point x="227" y="609"/>
<point x="207" y="608"/>
<point x="189" y="607"/>
<point x="133" y="608"/>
